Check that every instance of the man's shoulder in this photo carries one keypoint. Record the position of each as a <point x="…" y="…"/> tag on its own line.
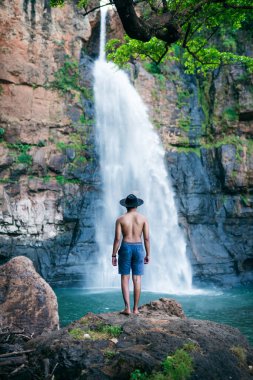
<point x="143" y="217"/>
<point x="120" y="218"/>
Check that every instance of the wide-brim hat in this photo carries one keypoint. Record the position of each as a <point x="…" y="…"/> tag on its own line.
<point x="131" y="201"/>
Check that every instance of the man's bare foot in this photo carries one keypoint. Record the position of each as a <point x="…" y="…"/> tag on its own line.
<point x="126" y="311"/>
<point x="135" y="311"/>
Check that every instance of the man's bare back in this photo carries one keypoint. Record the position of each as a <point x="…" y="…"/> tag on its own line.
<point x="132" y="226"/>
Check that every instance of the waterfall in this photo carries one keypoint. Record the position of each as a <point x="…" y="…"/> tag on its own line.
<point x="132" y="161"/>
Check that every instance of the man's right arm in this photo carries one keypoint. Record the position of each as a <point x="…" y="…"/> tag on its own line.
<point x="146" y="241"/>
<point x="116" y="242"/>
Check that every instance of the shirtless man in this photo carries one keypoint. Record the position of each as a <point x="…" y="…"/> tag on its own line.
<point x="131" y="253"/>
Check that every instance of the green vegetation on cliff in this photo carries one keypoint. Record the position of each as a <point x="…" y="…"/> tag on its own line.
<point x="178" y="366"/>
<point x="67" y="79"/>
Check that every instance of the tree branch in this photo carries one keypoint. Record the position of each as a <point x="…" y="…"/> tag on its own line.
<point x="186" y="35"/>
<point x="233" y="6"/>
<point x="95" y="8"/>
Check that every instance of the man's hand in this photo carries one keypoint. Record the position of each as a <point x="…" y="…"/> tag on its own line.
<point x="146" y="259"/>
<point x="114" y="261"/>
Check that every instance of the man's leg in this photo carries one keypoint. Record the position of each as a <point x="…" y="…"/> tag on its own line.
<point x="125" y="292"/>
<point x="137" y="292"/>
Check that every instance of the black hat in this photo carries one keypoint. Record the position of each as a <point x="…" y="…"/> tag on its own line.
<point x="131" y="201"/>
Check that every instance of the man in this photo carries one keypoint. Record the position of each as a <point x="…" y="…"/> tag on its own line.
<point x="131" y="226"/>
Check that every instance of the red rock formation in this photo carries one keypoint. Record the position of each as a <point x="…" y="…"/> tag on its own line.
<point x="27" y="301"/>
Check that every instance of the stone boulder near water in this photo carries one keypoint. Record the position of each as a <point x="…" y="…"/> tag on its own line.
<point x="27" y="302"/>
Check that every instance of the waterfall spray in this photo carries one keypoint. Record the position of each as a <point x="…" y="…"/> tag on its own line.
<point x="132" y="161"/>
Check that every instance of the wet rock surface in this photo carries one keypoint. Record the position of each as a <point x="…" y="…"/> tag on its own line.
<point x="112" y="346"/>
<point x="27" y="302"/>
<point x="215" y="214"/>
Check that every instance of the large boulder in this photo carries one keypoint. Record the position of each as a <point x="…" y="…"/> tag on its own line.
<point x="27" y="302"/>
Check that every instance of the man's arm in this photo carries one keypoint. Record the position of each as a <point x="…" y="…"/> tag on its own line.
<point x="116" y="242"/>
<point x="146" y="241"/>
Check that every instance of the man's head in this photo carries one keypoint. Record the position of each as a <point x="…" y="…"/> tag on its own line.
<point x="131" y="201"/>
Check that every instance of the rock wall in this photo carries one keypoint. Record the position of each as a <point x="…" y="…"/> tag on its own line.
<point x="48" y="164"/>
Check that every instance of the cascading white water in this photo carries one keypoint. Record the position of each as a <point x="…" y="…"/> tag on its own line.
<point x="132" y="161"/>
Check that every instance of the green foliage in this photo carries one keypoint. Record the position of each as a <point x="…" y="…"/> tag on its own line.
<point x="249" y="144"/>
<point x="109" y="354"/>
<point x="41" y="143"/>
<point x="57" y="3"/>
<point x="23" y="157"/>
<point x="176" y="367"/>
<point x="204" y="84"/>
<point x="188" y="149"/>
<point x="191" y="347"/>
<point x="2" y="132"/>
<point x="46" y="179"/>
<point x="230" y="114"/>
<point x="246" y="202"/>
<point x="82" y="3"/>
<point x="77" y="143"/>
<point x="67" y="79"/>
<point x="77" y="333"/>
<point x="184" y="123"/>
<point x="152" y="67"/>
<point x="61" y="180"/>
<point x="183" y="96"/>
<point x="85" y="121"/>
<point x="7" y="180"/>
<point x="138" y="375"/>
<point x="240" y="353"/>
<point x="112" y="331"/>
<point x="121" y="53"/>
<point x="1" y="90"/>
<point x="99" y="332"/>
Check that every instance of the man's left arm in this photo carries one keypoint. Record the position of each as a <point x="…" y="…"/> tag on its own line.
<point x="116" y="242"/>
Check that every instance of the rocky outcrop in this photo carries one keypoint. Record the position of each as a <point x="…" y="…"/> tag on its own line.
<point x="112" y="346"/>
<point x="216" y="212"/>
<point x="27" y="302"/>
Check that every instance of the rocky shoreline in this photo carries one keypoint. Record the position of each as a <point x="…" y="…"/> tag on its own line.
<point x="111" y="345"/>
<point x="114" y="346"/>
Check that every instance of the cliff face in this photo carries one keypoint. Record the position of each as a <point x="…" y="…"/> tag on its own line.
<point x="46" y="131"/>
<point x="49" y="180"/>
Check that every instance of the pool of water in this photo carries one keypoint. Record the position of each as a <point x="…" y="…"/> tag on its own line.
<point x="231" y="306"/>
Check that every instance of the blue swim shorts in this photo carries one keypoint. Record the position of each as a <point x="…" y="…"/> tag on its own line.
<point x="131" y="256"/>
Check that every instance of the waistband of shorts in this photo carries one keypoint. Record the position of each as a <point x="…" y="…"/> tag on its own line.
<point x="131" y="243"/>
